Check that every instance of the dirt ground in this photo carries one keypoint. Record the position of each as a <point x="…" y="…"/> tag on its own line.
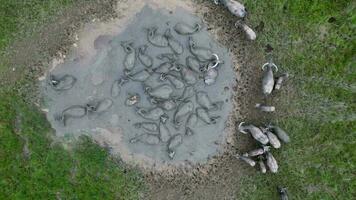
<point x="219" y="179"/>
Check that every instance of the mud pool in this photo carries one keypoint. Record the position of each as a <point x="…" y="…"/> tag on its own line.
<point x="127" y="98"/>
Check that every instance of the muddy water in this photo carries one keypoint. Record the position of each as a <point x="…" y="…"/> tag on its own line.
<point x="115" y="126"/>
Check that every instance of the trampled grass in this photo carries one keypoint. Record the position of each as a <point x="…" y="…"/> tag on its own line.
<point x="315" y="42"/>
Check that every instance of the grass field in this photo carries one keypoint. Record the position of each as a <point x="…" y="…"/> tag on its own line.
<point x="18" y="18"/>
<point x="315" y="42"/>
<point x="47" y="170"/>
<point x="312" y="40"/>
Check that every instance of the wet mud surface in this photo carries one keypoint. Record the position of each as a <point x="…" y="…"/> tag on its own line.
<point x="159" y="91"/>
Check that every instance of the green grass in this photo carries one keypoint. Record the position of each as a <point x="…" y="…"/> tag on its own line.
<point x="315" y="42"/>
<point x="84" y="172"/>
<point x="21" y="19"/>
<point x="17" y="18"/>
